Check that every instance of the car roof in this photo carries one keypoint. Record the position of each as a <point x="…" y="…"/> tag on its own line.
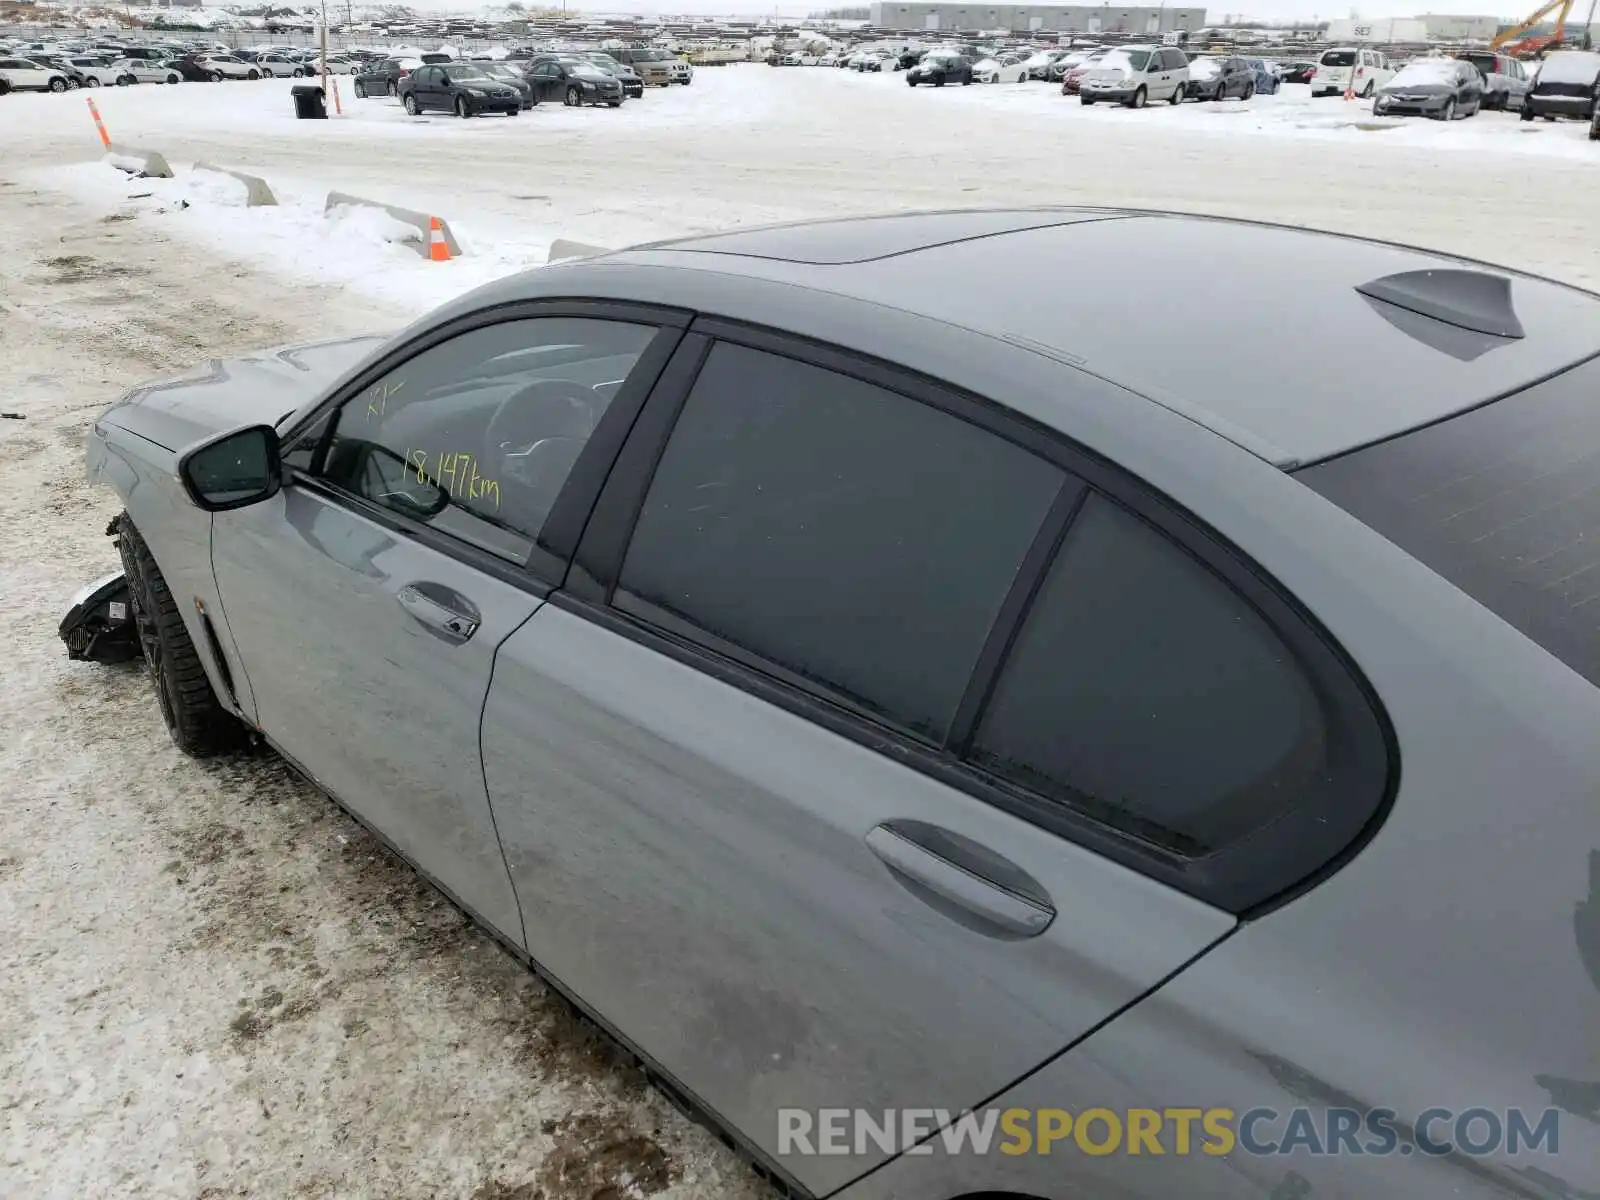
<point x="1177" y="309"/>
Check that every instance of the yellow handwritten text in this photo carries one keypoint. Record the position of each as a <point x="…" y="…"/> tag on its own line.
<point x="379" y="395"/>
<point x="458" y="474"/>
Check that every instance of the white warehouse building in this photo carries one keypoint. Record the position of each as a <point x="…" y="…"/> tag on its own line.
<point x="1043" y="18"/>
<point x="1429" y="27"/>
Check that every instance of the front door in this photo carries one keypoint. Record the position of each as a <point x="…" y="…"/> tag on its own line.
<point x="367" y="600"/>
<point x="712" y="760"/>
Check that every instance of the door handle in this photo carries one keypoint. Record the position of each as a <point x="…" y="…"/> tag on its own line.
<point x="968" y="883"/>
<point x="441" y="619"/>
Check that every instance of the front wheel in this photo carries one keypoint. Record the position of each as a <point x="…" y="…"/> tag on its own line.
<point x="1594" y="128"/>
<point x="58" y="85"/>
<point x="1086" y="100"/>
<point x="73" y="85"/>
<point x="1220" y="94"/>
<point x="574" y="97"/>
<point x="361" y="92"/>
<point x="1366" y="92"/>
<point x="1138" y="98"/>
<point x="1527" y="113"/>
<point x="1177" y="95"/>
<point x="216" y="77"/>
<point x="910" y="82"/>
<point x="462" y="109"/>
<point x="939" y="82"/>
<point x="254" y="74"/>
<point x="173" y="79"/>
<point x="614" y="103"/>
<point x="297" y="73"/>
<point x="1249" y="92"/>
<point x="197" y="722"/>
<point x="411" y="106"/>
<point x="1448" y="112"/>
<point x="91" y="81"/>
<point x="393" y="89"/>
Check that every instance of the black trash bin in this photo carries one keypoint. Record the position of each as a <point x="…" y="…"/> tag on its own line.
<point x="309" y="102"/>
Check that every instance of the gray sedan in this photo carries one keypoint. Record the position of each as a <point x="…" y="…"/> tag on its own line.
<point x="1441" y="88"/>
<point x="873" y="700"/>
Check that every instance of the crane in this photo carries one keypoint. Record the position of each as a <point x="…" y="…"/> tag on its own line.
<point x="1516" y="31"/>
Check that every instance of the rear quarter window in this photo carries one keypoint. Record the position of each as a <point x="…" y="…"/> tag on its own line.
<point x="1503" y="501"/>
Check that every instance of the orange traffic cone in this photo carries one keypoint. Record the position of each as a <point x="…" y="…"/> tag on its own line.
<point x="438" y="251"/>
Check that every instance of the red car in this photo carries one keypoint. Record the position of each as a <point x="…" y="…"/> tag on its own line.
<point x="1072" y="81"/>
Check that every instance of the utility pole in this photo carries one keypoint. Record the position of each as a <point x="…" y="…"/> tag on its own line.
<point x="1587" y="22"/>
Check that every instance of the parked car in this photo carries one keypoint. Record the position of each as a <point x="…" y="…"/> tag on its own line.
<point x="1219" y="78"/>
<point x="880" y="61"/>
<point x="1072" y="77"/>
<point x="1134" y="75"/>
<point x="192" y="70"/>
<point x="632" y="82"/>
<point x="25" y="75"/>
<point x="457" y="87"/>
<point x="652" y="66"/>
<point x="502" y="71"/>
<point x="1008" y="68"/>
<point x="1566" y="85"/>
<point x="574" y="82"/>
<point x="142" y="70"/>
<point x="337" y="65"/>
<point x="231" y="66"/>
<point x="1296" y="71"/>
<point x="682" y="70"/>
<point x="1146" y="741"/>
<point x="941" y="68"/>
<point x="1038" y="64"/>
<point x="92" y="71"/>
<point x="1362" y="71"/>
<point x="281" y="66"/>
<point x="76" y="76"/>
<point x="385" y="78"/>
<point x="1267" y="81"/>
<point x="1442" y="88"/>
<point x="1505" y="82"/>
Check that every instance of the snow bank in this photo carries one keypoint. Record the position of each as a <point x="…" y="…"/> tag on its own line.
<point x="358" y="223"/>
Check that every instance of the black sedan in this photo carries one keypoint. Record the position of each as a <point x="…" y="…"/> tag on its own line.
<point x="574" y="81"/>
<point x="940" y="69"/>
<point x="383" y="78"/>
<point x="458" y="87"/>
<point x="193" y="71"/>
<point x="504" y="72"/>
<point x="632" y="82"/>
<point x="1219" y="78"/>
<point x="1298" y="71"/>
<point x="1441" y="88"/>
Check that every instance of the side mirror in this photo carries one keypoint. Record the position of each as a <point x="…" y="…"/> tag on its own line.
<point x="235" y="470"/>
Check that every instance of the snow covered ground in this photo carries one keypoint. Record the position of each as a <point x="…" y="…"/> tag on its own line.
<point x="212" y="982"/>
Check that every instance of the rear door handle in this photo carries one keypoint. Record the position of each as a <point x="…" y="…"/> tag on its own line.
<point x="960" y="878"/>
<point x="440" y="616"/>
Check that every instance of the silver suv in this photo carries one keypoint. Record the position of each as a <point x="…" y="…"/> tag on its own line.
<point x="1133" y="75"/>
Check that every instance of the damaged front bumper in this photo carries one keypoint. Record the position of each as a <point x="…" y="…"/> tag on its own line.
<point x="99" y="623"/>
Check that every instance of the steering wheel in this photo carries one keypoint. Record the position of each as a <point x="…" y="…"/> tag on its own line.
<point x="534" y="437"/>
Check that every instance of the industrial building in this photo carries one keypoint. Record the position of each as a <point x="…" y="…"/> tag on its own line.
<point x="1414" y="30"/>
<point x="1036" y="18"/>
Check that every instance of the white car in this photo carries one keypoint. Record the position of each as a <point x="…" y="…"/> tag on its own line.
<point x="336" y="66"/>
<point x="24" y="75"/>
<point x="1008" y="68"/>
<point x="280" y="66"/>
<point x="230" y="66"/>
<point x="138" y="70"/>
<point x="1362" y="71"/>
<point x="1137" y="75"/>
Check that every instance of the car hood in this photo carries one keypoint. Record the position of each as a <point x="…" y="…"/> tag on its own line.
<point x="269" y="387"/>
<point x="1432" y="87"/>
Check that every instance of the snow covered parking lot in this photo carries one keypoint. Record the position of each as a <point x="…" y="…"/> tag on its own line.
<point x="213" y="982"/>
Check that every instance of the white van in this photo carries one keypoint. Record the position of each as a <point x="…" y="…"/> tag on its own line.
<point x="1371" y="70"/>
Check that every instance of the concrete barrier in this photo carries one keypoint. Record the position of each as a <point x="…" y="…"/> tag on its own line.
<point x="147" y="163"/>
<point x="562" y="250"/>
<point x="421" y="220"/>
<point x="257" y="193"/>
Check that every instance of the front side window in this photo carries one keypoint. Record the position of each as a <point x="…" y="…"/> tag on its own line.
<point x="1144" y="693"/>
<point x="856" y="539"/>
<point x="476" y="436"/>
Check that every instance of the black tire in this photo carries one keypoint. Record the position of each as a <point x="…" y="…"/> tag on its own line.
<point x="1085" y="99"/>
<point x="1594" y="128"/>
<point x="254" y="74"/>
<point x="410" y="103"/>
<point x="73" y="85"/>
<point x="574" y="98"/>
<point x="614" y="103"/>
<point x="910" y="82"/>
<point x="360" y="91"/>
<point x="5" y="86"/>
<point x="1526" y="114"/>
<point x="196" y="720"/>
<point x="216" y="77"/>
<point x="297" y="73"/>
<point x="1138" y="98"/>
<point x="174" y="79"/>
<point x="939" y="82"/>
<point x="1366" y="92"/>
<point x="1249" y="92"/>
<point x="1177" y="95"/>
<point x="463" y="109"/>
<point x="1448" y="112"/>
<point x="58" y="84"/>
<point x="392" y="88"/>
<point x="1221" y="93"/>
<point x="91" y="81"/>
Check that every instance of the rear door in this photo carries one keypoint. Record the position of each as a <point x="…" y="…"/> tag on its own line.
<point x="724" y="762"/>
<point x="367" y="600"/>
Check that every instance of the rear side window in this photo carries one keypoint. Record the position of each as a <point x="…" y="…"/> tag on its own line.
<point x="1504" y="502"/>
<point x="1339" y="58"/>
<point x="855" y="538"/>
<point x="1145" y="693"/>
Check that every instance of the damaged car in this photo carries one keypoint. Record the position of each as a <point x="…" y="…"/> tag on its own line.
<point x="864" y="696"/>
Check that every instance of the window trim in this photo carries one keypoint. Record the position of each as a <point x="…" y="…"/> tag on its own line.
<point x="1248" y="877"/>
<point x="547" y="562"/>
